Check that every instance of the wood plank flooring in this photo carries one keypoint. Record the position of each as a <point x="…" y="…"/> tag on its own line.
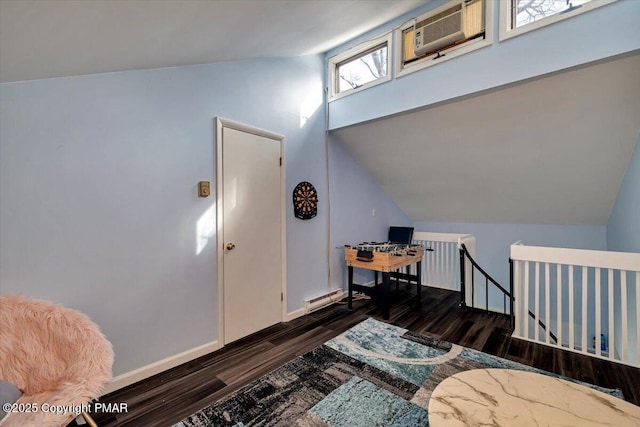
<point x="170" y="396"/>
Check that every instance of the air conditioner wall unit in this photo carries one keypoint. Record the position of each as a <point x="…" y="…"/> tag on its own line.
<point x="438" y="30"/>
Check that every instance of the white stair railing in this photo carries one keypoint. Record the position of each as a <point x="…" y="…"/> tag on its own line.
<point x="589" y="299"/>
<point x="441" y="267"/>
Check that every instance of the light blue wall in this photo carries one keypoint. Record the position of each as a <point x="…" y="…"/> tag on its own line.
<point x="623" y="228"/>
<point x="354" y="196"/>
<point x="608" y="31"/>
<point x="98" y="191"/>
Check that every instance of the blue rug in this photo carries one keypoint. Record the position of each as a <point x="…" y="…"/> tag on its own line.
<point x="373" y="375"/>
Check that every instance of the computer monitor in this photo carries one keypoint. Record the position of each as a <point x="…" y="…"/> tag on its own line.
<point x="400" y="234"/>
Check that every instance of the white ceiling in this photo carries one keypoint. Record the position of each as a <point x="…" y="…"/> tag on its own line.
<point x="55" y="38"/>
<point x="550" y="151"/>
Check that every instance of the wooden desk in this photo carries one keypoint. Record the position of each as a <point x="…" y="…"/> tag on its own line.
<point x="385" y="263"/>
<point x="505" y="397"/>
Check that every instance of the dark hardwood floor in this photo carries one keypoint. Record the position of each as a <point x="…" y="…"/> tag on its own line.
<point x="168" y="397"/>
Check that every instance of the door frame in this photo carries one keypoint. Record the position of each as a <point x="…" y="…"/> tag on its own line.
<point x="225" y="123"/>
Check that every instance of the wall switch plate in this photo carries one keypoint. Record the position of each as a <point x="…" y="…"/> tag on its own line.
<point x="204" y="189"/>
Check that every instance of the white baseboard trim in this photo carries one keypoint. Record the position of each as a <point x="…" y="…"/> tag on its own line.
<point x="294" y="315"/>
<point x="147" y="371"/>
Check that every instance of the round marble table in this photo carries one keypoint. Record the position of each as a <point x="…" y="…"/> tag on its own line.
<point x="505" y="397"/>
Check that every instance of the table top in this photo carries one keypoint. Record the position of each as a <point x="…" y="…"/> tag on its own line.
<point x="382" y="261"/>
<point x="505" y="397"/>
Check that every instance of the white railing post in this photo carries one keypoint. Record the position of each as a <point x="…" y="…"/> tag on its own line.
<point x="516" y="292"/>
<point x="526" y="298"/>
<point x="637" y="289"/>
<point x="440" y="268"/>
<point x="559" y="304"/>
<point x="611" y="342"/>
<point x="583" y="312"/>
<point x="536" y="313"/>
<point x="598" y="332"/>
<point x="572" y="342"/>
<point x="623" y="312"/>
<point x="547" y="304"/>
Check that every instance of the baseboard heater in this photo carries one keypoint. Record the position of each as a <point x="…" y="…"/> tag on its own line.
<point x="322" y="301"/>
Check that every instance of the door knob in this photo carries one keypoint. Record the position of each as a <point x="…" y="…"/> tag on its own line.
<point x="230" y="246"/>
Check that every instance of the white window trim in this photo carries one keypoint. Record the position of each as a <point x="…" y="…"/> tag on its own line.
<point x="451" y="53"/>
<point x="506" y="32"/>
<point x="353" y="52"/>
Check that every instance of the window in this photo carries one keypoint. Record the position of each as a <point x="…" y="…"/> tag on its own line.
<point x="475" y="33"/>
<point x="361" y="67"/>
<point x="367" y="67"/>
<point x="521" y="16"/>
<point x="524" y="12"/>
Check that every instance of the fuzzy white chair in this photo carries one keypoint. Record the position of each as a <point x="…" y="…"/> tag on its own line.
<point x="54" y="355"/>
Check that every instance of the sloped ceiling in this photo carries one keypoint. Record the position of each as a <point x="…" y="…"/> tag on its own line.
<point x="54" y="38"/>
<point x="549" y="151"/>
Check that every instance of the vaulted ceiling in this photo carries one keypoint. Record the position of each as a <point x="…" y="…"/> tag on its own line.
<point x="549" y="151"/>
<point x="54" y="38"/>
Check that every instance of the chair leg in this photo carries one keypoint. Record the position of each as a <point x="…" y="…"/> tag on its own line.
<point x="89" y="420"/>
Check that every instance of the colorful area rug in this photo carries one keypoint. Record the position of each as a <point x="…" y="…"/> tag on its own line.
<point x="375" y="374"/>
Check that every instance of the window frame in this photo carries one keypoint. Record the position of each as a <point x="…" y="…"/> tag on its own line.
<point x="506" y="32"/>
<point x="450" y="53"/>
<point x="353" y="53"/>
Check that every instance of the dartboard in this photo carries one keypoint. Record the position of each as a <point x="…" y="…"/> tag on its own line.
<point x="305" y="201"/>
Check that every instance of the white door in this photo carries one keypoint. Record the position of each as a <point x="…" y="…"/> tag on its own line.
<point x="251" y="235"/>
